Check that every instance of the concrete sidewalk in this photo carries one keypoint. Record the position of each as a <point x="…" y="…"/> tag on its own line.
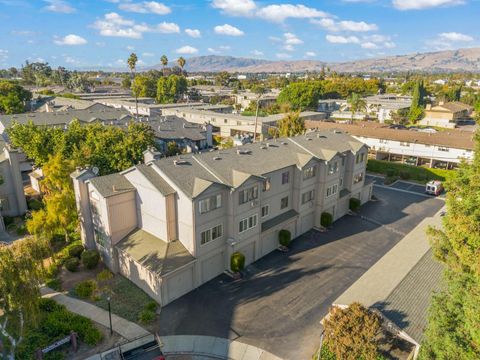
<point x="124" y="328"/>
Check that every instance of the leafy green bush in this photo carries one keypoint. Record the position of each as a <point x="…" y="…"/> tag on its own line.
<point x="35" y="204"/>
<point x="151" y="306"/>
<point x="54" y="284"/>
<point x="405" y="175"/>
<point x="104" y="275"/>
<point x="237" y="262"/>
<point x="326" y="219"/>
<point x="90" y="258"/>
<point x="284" y="237"/>
<point x="72" y="264"/>
<point x="146" y="316"/>
<point x="75" y="251"/>
<point x="69" y="96"/>
<point x="418" y="173"/>
<point x="86" y="289"/>
<point x="21" y="230"/>
<point x="46" y="92"/>
<point x="7" y="220"/>
<point x="354" y="204"/>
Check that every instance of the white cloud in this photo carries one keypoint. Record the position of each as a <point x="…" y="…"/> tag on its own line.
<point x="369" y="45"/>
<point x="454" y="36"/>
<point x="228" y="30"/>
<point x="189" y="50"/>
<point x="235" y="7"/>
<point x="338" y="39"/>
<point x="146" y="7"/>
<point x="70" y="60"/>
<point x="278" y="13"/>
<point x="194" y="33"/>
<point x="221" y="49"/>
<point x="59" y="6"/>
<point x="283" y="56"/>
<point x="346" y="25"/>
<point x="148" y="54"/>
<point x="257" y="53"/>
<point x="70" y="40"/>
<point x="310" y="54"/>
<point x="115" y="25"/>
<point x="292" y="39"/>
<point x="424" y="4"/>
<point x="130" y="48"/>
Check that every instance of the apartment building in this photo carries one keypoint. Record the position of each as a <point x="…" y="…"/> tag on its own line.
<point x="172" y="224"/>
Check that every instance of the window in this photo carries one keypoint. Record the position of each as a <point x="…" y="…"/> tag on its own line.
<point x="443" y="149"/>
<point x="358" y="178"/>
<point x="332" y="168"/>
<point x="360" y="157"/>
<point x="284" y="202"/>
<point x="100" y="238"/>
<point x="285" y="177"/>
<point x="341" y="182"/>
<point x="209" y="204"/>
<point x="308" y="196"/>
<point x="211" y="234"/>
<point x="248" y="195"/>
<point x="383" y="141"/>
<point x="266" y="184"/>
<point x="265" y="210"/>
<point x="4" y="204"/>
<point x="247" y="224"/>
<point x="225" y="121"/>
<point x="332" y="190"/>
<point x="405" y="144"/>
<point x="309" y="173"/>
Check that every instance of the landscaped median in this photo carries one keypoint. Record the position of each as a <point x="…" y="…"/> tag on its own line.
<point x="421" y="174"/>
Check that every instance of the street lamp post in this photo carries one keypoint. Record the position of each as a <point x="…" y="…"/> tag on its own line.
<point x="110" y="315"/>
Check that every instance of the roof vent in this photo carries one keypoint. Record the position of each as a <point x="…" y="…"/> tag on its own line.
<point x="217" y="158"/>
<point x="284" y="143"/>
<point x="309" y="139"/>
<point x="337" y="132"/>
<point x="263" y="147"/>
<point x="180" y="162"/>
<point x="321" y="136"/>
<point x="243" y="152"/>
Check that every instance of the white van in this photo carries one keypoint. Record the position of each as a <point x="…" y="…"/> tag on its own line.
<point x="434" y="187"/>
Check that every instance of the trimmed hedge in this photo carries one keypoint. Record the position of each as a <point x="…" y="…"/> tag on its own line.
<point x="72" y="264"/>
<point x="90" y="259"/>
<point x="354" y="204"/>
<point x="326" y="219"/>
<point x="146" y="316"/>
<point x="76" y="251"/>
<point x="237" y="262"/>
<point x="284" y="237"/>
<point x="86" y="289"/>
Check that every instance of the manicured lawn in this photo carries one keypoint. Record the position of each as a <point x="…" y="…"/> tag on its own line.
<point x="408" y="172"/>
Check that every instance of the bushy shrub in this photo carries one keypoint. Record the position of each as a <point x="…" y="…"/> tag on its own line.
<point x="72" y="264"/>
<point x="151" y="306"/>
<point x="390" y="173"/>
<point x="35" y="204"/>
<point x="76" y="251"/>
<point x="50" y="305"/>
<point x="354" y="204"/>
<point x="104" y="275"/>
<point x="284" y="237"/>
<point x="237" y="262"/>
<point x="86" y="289"/>
<point x="7" y="220"/>
<point x="146" y="316"/>
<point x="21" y="230"/>
<point x="90" y="259"/>
<point x="404" y="175"/>
<point x="54" y="284"/>
<point x="326" y="219"/>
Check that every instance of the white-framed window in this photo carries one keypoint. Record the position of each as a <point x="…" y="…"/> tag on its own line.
<point x="266" y="184"/>
<point x="332" y="167"/>
<point x="308" y="196"/>
<point x="358" y="178"/>
<point x="284" y="202"/>
<point x="360" y="158"/>
<point x="285" y="177"/>
<point x="332" y="190"/>
<point x="211" y="234"/>
<point x="247" y="223"/>
<point x="248" y="195"/>
<point x="209" y="204"/>
<point x="265" y="210"/>
<point x="309" y="172"/>
<point x="442" y="148"/>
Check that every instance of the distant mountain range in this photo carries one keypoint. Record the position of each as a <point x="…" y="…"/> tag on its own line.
<point x="440" y="61"/>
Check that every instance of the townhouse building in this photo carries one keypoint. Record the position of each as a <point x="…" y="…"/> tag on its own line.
<point x="172" y="224"/>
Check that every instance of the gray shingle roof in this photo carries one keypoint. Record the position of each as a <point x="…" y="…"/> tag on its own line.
<point x="224" y="166"/>
<point x="154" y="254"/>
<point x="155" y="179"/>
<point x="112" y="184"/>
<point x="174" y="127"/>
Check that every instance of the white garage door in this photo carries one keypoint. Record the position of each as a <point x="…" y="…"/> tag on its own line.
<point x="307" y="223"/>
<point x="213" y="266"/>
<point x="249" y="252"/>
<point x="269" y="242"/>
<point x="179" y="284"/>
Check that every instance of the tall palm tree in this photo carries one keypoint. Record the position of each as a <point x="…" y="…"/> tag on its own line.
<point x="181" y="62"/>
<point x="356" y="103"/>
<point x="132" y="63"/>
<point x="164" y="61"/>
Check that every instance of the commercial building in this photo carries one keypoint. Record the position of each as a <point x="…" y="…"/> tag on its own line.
<point x="172" y="224"/>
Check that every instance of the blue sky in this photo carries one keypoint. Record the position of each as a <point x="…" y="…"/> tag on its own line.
<point x="102" y="33"/>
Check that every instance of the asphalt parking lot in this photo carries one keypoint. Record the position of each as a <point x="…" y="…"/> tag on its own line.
<point x="408" y="186"/>
<point x="284" y="296"/>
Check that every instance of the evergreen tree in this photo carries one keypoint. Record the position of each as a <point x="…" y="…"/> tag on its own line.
<point x="416" y="109"/>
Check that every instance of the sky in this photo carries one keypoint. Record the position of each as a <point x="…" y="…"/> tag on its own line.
<point x="102" y="33"/>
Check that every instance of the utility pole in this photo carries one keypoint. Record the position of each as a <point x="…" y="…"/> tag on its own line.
<point x="256" y="118"/>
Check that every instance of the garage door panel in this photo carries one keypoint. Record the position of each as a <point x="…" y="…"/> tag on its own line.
<point x="307" y="223"/>
<point x="179" y="284"/>
<point x="269" y="243"/>
<point x="249" y="252"/>
<point x="213" y="267"/>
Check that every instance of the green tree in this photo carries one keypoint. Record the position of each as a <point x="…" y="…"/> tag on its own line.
<point x="144" y="86"/>
<point x="352" y="333"/>
<point x="291" y="125"/>
<point x="172" y="149"/>
<point x="453" y="331"/>
<point x="164" y="61"/>
<point x="301" y="95"/>
<point x="13" y="97"/>
<point x="78" y="82"/>
<point x="126" y="82"/>
<point x="357" y="104"/>
<point x="132" y="63"/>
<point x="171" y="88"/>
<point x="181" y="62"/>
<point x="21" y="274"/>
<point x="416" y="109"/>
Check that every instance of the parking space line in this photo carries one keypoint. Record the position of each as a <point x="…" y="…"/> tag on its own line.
<point x="408" y="192"/>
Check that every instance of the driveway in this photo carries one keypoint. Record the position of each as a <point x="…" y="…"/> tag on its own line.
<point x="284" y="296"/>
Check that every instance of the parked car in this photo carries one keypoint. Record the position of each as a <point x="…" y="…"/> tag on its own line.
<point x="397" y="126"/>
<point x="434" y="187"/>
<point x="413" y="128"/>
<point x="428" y="130"/>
